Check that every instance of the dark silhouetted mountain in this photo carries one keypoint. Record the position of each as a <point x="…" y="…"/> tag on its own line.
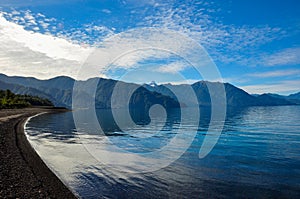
<point x="294" y="96"/>
<point x="273" y="100"/>
<point x="203" y="91"/>
<point x="59" y="90"/>
<point x="141" y="98"/>
<point x="275" y="95"/>
<point x="22" y="90"/>
<point x="170" y="90"/>
<point x="61" y="82"/>
<point x="281" y="99"/>
<point x="234" y="96"/>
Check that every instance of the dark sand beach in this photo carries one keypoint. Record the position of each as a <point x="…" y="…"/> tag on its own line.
<point x="22" y="172"/>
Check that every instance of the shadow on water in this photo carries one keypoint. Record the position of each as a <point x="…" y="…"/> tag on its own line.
<point x="56" y="126"/>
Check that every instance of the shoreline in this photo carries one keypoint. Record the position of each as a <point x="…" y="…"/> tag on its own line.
<point x="23" y="174"/>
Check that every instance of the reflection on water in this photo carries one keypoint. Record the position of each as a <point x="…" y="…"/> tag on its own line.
<point x="257" y="155"/>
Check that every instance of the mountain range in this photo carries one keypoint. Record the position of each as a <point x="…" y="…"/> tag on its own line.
<point x="59" y="91"/>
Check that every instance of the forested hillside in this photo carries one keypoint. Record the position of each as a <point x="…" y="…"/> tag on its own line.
<point x="10" y="100"/>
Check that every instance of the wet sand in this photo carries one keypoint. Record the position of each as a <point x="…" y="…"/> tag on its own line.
<point x="22" y="172"/>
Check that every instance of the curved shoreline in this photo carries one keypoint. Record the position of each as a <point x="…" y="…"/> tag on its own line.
<point x="23" y="174"/>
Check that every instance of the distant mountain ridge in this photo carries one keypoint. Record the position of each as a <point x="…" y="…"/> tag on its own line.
<point x="59" y="90"/>
<point x="234" y="96"/>
<point x="294" y="96"/>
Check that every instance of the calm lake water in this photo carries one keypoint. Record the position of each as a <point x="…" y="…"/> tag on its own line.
<point x="256" y="156"/>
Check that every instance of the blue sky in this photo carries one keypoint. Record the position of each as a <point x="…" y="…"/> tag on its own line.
<point x="254" y="44"/>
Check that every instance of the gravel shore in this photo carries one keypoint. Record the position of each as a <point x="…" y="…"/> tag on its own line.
<point x="22" y="172"/>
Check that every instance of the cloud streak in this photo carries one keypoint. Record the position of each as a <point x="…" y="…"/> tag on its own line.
<point x="172" y="68"/>
<point x="283" y="87"/>
<point x="277" y="73"/>
<point x="223" y="42"/>
<point x="29" y="53"/>
<point x="289" y="56"/>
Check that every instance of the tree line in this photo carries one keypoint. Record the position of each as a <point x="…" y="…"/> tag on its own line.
<point x="10" y="100"/>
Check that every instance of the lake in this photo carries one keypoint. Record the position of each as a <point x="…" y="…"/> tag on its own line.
<point x="257" y="155"/>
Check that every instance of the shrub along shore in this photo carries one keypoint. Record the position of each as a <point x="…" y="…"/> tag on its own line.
<point x="11" y="100"/>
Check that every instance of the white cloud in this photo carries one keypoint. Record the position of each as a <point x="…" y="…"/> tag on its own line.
<point x="147" y="47"/>
<point x="284" y="57"/>
<point x="38" y="22"/>
<point x="14" y="12"/>
<point x="106" y="11"/>
<point x="225" y="43"/>
<point x="30" y="53"/>
<point x="34" y="54"/>
<point x="179" y="82"/>
<point x="132" y="47"/>
<point x="277" y="73"/>
<point x="31" y="21"/>
<point x="44" y="24"/>
<point x="174" y="67"/>
<point x="283" y="87"/>
<point x="52" y="47"/>
<point x="29" y="16"/>
<point x="131" y="59"/>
